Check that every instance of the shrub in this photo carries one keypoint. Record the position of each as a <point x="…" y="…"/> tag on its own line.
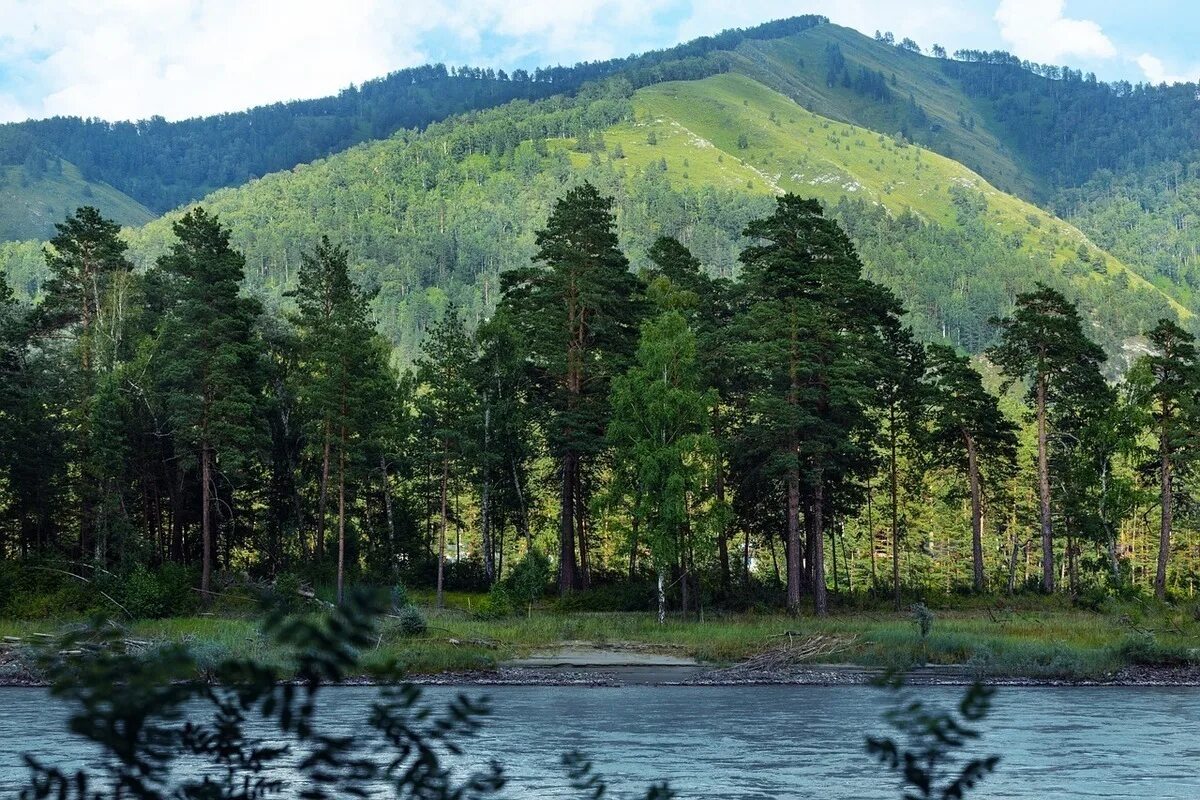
<point x="624" y="596"/>
<point x="527" y="580"/>
<point x="152" y="594"/>
<point x="498" y="603"/>
<point x="400" y="598"/>
<point x="1145" y="649"/>
<point x="410" y="621"/>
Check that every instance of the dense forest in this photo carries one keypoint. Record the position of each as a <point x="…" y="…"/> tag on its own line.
<point x="772" y="437"/>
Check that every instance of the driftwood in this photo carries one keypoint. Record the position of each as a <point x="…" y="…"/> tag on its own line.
<point x="796" y="650"/>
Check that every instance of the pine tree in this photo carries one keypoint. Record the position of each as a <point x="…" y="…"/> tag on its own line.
<point x="577" y="310"/>
<point x="968" y="430"/>
<point x="84" y="258"/>
<point x="346" y="381"/>
<point x="1043" y="342"/>
<point x="903" y="410"/>
<point x="505" y="438"/>
<point x="1172" y="399"/>
<point x="447" y="402"/>
<point x="813" y="341"/>
<point x="209" y="357"/>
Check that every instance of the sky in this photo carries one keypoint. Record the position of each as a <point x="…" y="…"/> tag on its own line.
<point x="132" y="59"/>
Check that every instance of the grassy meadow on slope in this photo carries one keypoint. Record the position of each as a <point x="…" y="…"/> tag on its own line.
<point x="949" y="121"/>
<point x="30" y="204"/>
<point x="794" y="150"/>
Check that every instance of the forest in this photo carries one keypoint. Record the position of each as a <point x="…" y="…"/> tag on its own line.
<point x="669" y="436"/>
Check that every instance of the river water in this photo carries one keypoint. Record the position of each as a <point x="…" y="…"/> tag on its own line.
<point x="761" y="741"/>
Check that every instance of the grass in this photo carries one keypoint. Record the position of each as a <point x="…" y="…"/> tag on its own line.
<point x="1035" y="638"/>
<point x="29" y="210"/>
<point x="730" y="131"/>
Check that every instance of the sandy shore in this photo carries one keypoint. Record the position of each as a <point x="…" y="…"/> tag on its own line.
<point x="597" y="666"/>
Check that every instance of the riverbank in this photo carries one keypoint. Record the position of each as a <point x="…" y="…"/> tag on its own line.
<point x="1026" y="643"/>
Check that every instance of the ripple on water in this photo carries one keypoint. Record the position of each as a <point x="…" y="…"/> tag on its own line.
<point x="758" y="742"/>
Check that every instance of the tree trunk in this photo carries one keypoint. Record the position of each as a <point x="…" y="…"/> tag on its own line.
<point x="523" y="521"/>
<point x="871" y="534"/>
<point x="323" y="496"/>
<point x="441" y="567"/>
<point x="820" y="600"/>
<point x="662" y="599"/>
<point x="567" y="572"/>
<point x="489" y="557"/>
<point x="723" y="532"/>
<point x="792" y="549"/>
<point x="894" y="489"/>
<point x="1164" y="534"/>
<point x="976" y="512"/>
<point x="1012" y="561"/>
<point x="341" y="554"/>
<point x="1044" y="489"/>
<point x="206" y="533"/>
<point x="633" y="545"/>
<point x="583" y="572"/>
<point x="386" y="488"/>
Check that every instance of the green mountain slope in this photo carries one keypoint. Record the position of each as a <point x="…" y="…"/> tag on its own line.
<point x="30" y="204"/>
<point x="433" y="217"/>
<point x="916" y="98"/>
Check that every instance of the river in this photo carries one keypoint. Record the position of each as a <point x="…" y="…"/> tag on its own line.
<point x="763" y="741"/>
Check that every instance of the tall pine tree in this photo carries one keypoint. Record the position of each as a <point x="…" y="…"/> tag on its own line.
<point x="1172" y="397"/>
<point x="345" y="378"/>
<point x="209" y="362"/>
<point x="1043" y="343"/>
<point x="968" y="430"/>
<point x="577" y="310"/>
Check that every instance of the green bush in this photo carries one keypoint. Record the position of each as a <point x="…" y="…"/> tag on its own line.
<point x="1144" y="649"/>
<point x="410" y="621"/>
<point x="164" y="592"/>
<point x="528" y="579"/>
<point x="498" y="603"/>
<point x="400" y="598"/>
<point x="625" y="596"/>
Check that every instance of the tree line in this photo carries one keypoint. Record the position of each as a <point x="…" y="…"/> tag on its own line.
<point x="663" y="426"/>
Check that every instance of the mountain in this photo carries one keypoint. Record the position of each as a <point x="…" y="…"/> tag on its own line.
<point x="166" y="164"/>
<point x="916" y="156"/>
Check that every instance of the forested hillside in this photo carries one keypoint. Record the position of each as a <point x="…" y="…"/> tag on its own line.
<point x="437" y="216"/>
<point x="165" y="164"/>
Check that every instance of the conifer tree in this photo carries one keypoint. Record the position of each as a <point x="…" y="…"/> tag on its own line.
<point x="813" y="337"/>
<point x="346" y="381"/>
<point x="577" y="310"/>
<point x="968" y="429"/>
<point x="1043" y="342"/>
<point x="903" y="410"/>
<point x="83" y="258"/>
<point x="505" y="438"/>
<point x="1172" y="396"/>
<point x="447" y="402"/>
<point x="210" y="370"/>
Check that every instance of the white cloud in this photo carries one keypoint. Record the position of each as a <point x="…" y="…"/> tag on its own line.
<point x="131" y="59"/>
<point x="1156" y="71"/>
<point x="1038" y="31"/>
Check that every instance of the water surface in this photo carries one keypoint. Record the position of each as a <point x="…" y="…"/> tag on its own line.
<point x="762" y="741"/>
